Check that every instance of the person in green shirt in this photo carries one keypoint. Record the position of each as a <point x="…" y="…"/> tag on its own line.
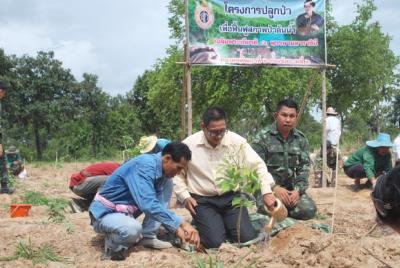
<point x="370" y="161"/>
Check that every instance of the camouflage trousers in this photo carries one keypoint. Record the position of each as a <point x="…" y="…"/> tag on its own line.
<point x="305" y="209"/>
<point x="3" y="171"/>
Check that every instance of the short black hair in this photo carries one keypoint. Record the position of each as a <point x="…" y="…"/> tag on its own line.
<point x="177" y="150"/>
<point x="288" y="103"/>
<point x="213" y="114"/>
<point x="311" y="2"/>
<point x="3" y="86"/>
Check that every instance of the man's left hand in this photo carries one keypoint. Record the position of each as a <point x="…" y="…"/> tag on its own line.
<point x="269" y="201"/>
<point x="294" y="197"/>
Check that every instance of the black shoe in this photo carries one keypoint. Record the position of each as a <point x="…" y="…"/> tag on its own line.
<point x="368" y="184"/>
<point x="7" y="191"/>
<point x="79" y="205"/>
<point x="113" y="256"/>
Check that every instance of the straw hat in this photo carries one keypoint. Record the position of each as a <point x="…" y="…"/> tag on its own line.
<point x="147" y="143"/>
<point x="383" y="140"/>
<point x="331" y="110"/>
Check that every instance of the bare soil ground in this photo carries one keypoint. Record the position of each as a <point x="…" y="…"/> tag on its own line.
<point x="358" y="239"/>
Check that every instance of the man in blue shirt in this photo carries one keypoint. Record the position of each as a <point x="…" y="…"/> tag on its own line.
<point x="141" y="185"/>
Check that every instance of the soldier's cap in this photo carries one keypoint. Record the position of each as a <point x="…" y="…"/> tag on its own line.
<point x="12" y="150"/>
<point x="147" y="143"/>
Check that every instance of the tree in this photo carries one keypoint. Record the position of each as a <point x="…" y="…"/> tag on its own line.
<point x="365" y="73"/>
<point x="40" y="97"/>
<point x="94" y="103"/>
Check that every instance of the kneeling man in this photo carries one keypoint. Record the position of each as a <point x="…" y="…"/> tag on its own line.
<point x="141" y="185"/>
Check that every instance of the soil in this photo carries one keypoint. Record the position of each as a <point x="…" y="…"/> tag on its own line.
<point x="358" y="240"/>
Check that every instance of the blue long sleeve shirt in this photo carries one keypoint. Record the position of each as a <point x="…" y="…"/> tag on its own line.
<point x="137" y="183"/>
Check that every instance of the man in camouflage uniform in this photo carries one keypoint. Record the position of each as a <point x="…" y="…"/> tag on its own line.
<point x="285" y="151"/>
<point x="3" y="164"/>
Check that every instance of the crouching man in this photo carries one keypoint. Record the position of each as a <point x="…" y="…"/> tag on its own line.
<point x="141" y="185"/>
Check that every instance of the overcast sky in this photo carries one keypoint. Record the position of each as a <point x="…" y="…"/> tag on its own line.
<point x="118" y="40"/>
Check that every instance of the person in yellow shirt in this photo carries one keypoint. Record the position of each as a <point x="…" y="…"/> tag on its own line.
<point x="198" y="188"/>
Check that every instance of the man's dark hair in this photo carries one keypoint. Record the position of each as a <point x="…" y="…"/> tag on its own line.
<point x="311" y="2"/>
<point x="177" y="150"/>
<point x="3" y="86"/>
<point x="288" y="103"/>
<point x="213" y="114"/>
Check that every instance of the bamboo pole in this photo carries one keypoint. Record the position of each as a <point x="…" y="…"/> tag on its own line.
<point x="324" y="160"/>
<point x="188" y="74"/>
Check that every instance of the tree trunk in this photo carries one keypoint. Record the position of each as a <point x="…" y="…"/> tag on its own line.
<point x="38" y="143"/>
<point x="94" y="142"/>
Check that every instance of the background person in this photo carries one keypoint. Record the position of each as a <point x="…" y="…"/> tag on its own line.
<point x="4" y="180"/>
<point x="14" y="160"/>
<point x="370" y="161"/>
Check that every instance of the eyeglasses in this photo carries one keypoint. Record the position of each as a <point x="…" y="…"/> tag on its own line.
<point x="216" y="133"/>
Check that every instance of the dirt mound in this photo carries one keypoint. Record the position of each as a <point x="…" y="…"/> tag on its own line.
<point x="358" y="240"/>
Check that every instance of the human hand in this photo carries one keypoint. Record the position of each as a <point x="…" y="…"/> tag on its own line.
<point x="314" y="27"/>
<point x="191" y="204"/>
<point x="294" y="197"/>
<point x="269" y="201"/>
<point x="187" y="233"/>
<point x="283" y="195"/>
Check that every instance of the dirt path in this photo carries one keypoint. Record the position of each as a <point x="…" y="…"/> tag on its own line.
<point x="352" y="244"/>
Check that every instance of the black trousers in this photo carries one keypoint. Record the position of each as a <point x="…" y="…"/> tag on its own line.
<point x="355" y="171"/>
<point x="217" y="220"/>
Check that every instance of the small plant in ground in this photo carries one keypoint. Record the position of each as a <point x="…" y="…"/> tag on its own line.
<point x="12" y="182"/>
<point x="57" y="209"/>
<point x="69" y="227"/>
<point x="56" y="206"/>
<point x="42" y="254"/>
<point x="210" y="263"/>
<point x="320" y="216"/>
<point x="35" y="198"/>
<point x="239" y="176"/>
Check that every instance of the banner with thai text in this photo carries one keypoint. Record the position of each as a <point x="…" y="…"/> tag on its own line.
<point x="257" y="32"/>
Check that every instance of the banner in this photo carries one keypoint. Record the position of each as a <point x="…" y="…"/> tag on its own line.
<point x="257" y="32"/>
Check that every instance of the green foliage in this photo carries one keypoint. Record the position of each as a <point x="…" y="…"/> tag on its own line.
<point x="56" y="206"/>
<point x="56" y="209"/>
<point x="37" y="254"/>
<point x="365" y="77"/>
<point x="238" y="176"/>
<point x="211" y="263"/>
<point x="35" y="198"/>
<point x="130" y="149"/>
<point x="41" y="254"/>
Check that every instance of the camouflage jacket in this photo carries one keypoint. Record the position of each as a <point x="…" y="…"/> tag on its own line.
<point x="288" y="161"/>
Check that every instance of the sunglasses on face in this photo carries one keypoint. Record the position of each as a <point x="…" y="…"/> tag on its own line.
<point x="216" y="133"/>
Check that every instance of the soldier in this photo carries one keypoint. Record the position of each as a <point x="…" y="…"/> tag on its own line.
<point x="14" y="160"/>
<point x="3" y="164"/>
<point x="285" y="151"/>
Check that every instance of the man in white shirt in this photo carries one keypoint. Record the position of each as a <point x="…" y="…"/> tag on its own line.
<point x="397" y="146"/>
<point x="333" y="127"/>
<point x="210" y="207"/>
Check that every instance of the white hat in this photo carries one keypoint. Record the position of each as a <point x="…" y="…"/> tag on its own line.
<point x="330" y="110"/>
<point x="147" y="143"/>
